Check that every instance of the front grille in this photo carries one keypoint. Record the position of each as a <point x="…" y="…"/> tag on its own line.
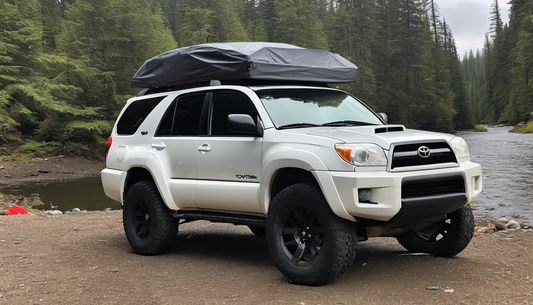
<point x="407" y="155"/>
<point x="425" y="187"/>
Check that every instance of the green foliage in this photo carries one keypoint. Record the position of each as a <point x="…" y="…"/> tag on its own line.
<point x="479" y="128"/>
<point x="501" y="88"/>
<point x="524" y="128"/>
<point x="66" y="66"/>
<point x="202" y="21"/>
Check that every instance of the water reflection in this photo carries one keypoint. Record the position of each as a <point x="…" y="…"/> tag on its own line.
<point x="86" y="194"/>
<point x="507" y="162"/>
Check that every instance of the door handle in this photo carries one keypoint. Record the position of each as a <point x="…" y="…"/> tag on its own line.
<point x="159" y="146"/>
<point x="204" y="148"/>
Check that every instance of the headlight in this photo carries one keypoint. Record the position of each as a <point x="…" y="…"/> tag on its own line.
<point x="460" y="148"/>
<point x="362" y="154"/>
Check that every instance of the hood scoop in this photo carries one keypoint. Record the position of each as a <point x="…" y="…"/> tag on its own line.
<point x="389" y="129"/>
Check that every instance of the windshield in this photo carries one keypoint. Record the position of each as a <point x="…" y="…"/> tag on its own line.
<point x="294" y="108"/>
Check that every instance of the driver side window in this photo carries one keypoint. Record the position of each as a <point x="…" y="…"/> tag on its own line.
<point x="224" y="104"/>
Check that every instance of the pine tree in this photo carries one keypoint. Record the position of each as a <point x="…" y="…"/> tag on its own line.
<point x="297" y="23"/>
<point x="203" y="21"/>
<point x="520" y="104"/>
<point x="352" y="35"/>
<point x="20" y="44"/>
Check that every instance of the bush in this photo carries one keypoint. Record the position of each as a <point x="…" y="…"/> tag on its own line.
<point x="524" y="128"/>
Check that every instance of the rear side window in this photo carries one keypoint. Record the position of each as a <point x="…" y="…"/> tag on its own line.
<point x="183" y="116"/>
<point x="133" y="117"/>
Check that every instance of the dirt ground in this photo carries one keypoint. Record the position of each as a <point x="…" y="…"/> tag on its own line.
<point x="85" y="258"/>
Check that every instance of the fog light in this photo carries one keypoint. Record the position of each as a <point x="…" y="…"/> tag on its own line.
<point x="364" y="195"/>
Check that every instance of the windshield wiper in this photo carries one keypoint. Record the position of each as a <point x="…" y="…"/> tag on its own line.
<point x="346" y="123"/>
<point x="298" y="125"/>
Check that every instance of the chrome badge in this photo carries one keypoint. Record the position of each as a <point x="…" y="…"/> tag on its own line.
<point x="424" y="152"/>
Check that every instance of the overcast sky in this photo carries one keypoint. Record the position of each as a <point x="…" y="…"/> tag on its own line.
<point x="469" y="21"/>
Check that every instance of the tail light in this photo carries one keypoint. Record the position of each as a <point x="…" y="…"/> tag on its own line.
<point x="108" y="144"/>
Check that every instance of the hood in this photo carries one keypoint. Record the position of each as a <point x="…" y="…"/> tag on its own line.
<point x="367" y="134"/>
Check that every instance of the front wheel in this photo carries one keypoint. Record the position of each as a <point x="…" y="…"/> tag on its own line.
<point x="445" y="238"/>
<point x="307" y="242"/>
<point x="149" y="225"/>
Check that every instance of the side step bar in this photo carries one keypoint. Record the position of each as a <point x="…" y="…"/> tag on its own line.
<point x="235" y="219"/>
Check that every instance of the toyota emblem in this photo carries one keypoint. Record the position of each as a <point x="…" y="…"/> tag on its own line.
<point x="424" y="152"/>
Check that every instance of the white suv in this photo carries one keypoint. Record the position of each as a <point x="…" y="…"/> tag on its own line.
<point x="311" y="168"/>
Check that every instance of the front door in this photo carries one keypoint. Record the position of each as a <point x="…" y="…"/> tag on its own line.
<point x="228" y="164"/>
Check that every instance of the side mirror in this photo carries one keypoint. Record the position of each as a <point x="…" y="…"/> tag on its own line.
<point x="384" y="117"/>
<point x="243" y="124"/>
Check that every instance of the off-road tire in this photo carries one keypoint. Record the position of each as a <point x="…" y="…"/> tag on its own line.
<point x="300" y="216"/>
<point x="445" y="238"/>
<point x="148" y="223"/>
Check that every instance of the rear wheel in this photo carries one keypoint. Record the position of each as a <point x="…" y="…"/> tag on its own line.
<point x="149" y="225"/>
<point x="445" y="238"/>
<point x="308" y="243"/>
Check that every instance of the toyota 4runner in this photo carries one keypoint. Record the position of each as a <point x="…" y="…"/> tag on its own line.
<point x="310" y="168"/>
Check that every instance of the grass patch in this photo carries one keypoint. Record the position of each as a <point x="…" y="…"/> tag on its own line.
<point x="524" y="128"/>
<point x="479" y="128"/>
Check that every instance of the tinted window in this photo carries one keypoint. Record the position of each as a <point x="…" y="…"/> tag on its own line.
<point x="183" y="116"/>
<point x="225" y="103"/>
<point x="137" y="111"/>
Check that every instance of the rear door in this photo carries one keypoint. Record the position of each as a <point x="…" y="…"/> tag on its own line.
<point x="175" y="145"/>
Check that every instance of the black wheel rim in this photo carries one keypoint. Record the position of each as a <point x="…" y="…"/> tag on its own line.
<point x="301" y="235"/>
<point x="434" y="232"/>
<point x="142" y="220"/>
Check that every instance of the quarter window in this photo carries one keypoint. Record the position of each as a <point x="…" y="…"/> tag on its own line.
<point x="135" y="115"/>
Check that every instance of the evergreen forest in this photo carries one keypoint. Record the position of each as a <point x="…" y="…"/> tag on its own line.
<point x="66" y="65"/>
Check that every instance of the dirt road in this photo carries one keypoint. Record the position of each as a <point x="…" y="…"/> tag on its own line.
<point x="86" y="259"/>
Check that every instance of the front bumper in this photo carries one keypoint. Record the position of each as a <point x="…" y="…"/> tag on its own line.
<point x="388" y="203"/>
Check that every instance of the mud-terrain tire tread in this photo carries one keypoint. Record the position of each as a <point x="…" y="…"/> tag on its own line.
<point x="164" y="227"/>
<point x="340" y="237"/>
<point x="455" y="241"/>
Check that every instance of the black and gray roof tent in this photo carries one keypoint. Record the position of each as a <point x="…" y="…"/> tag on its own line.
<point x="243" y="61"/>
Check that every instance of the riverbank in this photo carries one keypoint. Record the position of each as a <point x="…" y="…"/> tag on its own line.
<point x="57" y="169"/>
<point x="85" y="258"/>
<point x="49" y="170"/>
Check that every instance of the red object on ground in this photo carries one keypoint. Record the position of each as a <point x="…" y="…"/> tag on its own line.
<point x="14" y="210"/>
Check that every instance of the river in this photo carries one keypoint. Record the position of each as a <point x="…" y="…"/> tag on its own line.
<point x="506" y="158"/>
<point x="507" y="162"/>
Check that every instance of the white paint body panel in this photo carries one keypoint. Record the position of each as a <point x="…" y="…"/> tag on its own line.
<point x="236" y="173"/>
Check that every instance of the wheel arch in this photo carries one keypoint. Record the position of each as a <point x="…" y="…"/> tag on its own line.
<point x="296" y="166"/>
<point x="136" y="174"/>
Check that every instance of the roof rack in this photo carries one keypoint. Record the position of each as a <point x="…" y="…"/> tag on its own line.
<point x="238" y="82"/>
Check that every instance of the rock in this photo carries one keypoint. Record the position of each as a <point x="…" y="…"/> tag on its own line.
<point x="56" y="212"/>
<point x="500" y="225"/>
<point x="76" y="210"/>
<point x="513" y="225"/>
<point x="487" y="230"/>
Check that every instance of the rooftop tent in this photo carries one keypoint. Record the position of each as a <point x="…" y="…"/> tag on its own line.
<point x="243" y="61"/>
